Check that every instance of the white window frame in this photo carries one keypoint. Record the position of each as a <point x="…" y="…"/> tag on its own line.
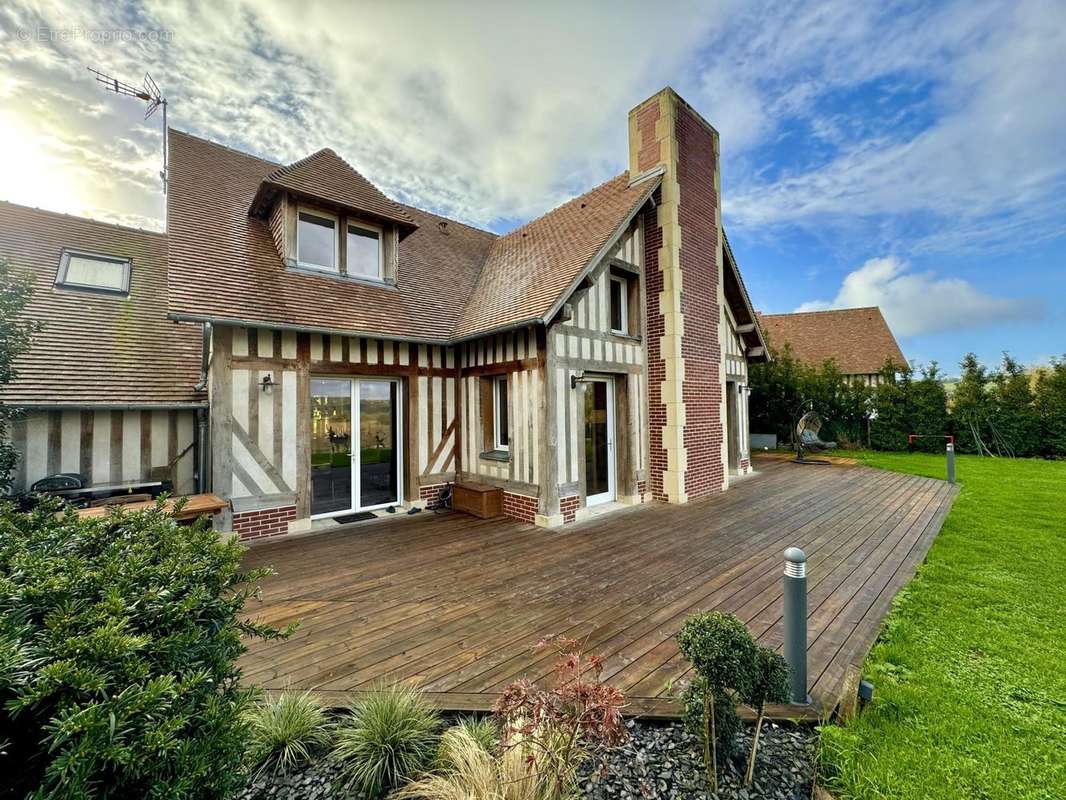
<point x="624" y="330"/>
<point x="64" y="263"/>
<point x="317" y="212"/>
<point x="371" y="227"/>
<point x="497" y="444"/>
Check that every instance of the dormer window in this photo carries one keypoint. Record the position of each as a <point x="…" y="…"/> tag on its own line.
<point x="93" y="272"/>
<point x="316" y="239"/>
<point x="364" y="256"/>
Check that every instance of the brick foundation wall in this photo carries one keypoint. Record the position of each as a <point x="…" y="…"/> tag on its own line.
<point x="265" y="522"/>
<point x="745" y="465"/>
<point x="568" y="506"/>
<point x="698" y="217"/>
<point x="430" y="492"/>
<point x="642" y="491"/>
<point x="520" y="507"/>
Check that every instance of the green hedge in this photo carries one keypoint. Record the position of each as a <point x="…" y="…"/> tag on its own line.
<point x="118" y="643"/>
<point x="1008" y="411"/>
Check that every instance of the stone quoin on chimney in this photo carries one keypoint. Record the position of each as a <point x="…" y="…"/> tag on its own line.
<point x="683" y="273"/>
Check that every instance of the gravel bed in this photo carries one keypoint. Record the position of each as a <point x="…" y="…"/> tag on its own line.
<point x="314" y="782"/>
<point x="663" y="760"/>
<point x="660" y="761"/>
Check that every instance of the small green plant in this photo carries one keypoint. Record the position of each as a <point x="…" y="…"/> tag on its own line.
<point x="389" y="736"/>
<point x="482" y="730"/>
<point x="769" y="684"/>
<point x="474" y="773"/>
<point x="722" y="652"/>
<point x="286" y="732"/>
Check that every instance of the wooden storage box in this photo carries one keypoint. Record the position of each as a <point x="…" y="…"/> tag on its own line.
<point x="477" y="499"/>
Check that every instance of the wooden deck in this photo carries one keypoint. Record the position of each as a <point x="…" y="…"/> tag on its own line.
<point x="455" y="604"/>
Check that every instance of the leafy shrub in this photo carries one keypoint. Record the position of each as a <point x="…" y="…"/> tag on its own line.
<point x="286" y="732"/>
<point x="389" y="736"/>
<point x="560" y="725"/>
<point x="769" y="684"/>
<point x="118" y="643"/>
<point x="474" y="773"/>
<point x="15" y="336"/>
<point x="723" y="654"/>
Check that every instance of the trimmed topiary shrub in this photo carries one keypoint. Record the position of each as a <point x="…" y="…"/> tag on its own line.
<point x="389" y="737"/>
<point x="769" y="684"/>
<point x="118" y="643"/>
<point x="286" y="732"/>
<point x="723" y="654"/>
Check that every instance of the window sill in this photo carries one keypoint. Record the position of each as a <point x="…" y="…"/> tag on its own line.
<point x="325" y="272"/>
<point x="627" y="336"/>
<point x="496" y="455"/>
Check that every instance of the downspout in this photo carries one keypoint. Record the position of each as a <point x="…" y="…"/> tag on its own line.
<point x="203" y="449"/>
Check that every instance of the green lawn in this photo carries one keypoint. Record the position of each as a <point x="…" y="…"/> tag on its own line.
<point x="970" y="670"/>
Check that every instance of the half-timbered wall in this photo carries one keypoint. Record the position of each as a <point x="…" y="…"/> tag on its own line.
<point x="735" y="371"/>
<point x="514" y="355"/>
<point x="582" y="344"/>
<point x="106" y="446"/>
<point x="261" y="436"/>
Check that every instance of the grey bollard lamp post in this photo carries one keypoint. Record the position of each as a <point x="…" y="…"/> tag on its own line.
<point x="795" y="594"/>
<point x="951" y="462"/>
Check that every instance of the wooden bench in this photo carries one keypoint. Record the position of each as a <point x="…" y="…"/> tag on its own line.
<point x="478" y="499"/>
<point x="196" y="505"/>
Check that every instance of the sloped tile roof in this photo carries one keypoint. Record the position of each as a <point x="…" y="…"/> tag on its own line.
<point x="452" y="281"/>
<point x="97" y="349"/>
<point x="530" y="268"/>
<point x="858" y="339"/>
<point x="327" y="176"/>
<point x="224" y="264"/>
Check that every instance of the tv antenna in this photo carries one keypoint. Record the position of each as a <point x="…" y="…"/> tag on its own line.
<point x="149" y="92"/>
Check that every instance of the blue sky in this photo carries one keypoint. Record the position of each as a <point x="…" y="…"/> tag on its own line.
<point x="905" y="154"/>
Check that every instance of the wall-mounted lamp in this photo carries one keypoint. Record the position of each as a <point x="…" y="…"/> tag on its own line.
<point x="575" y="378"/>
<point x="267" y="383"/>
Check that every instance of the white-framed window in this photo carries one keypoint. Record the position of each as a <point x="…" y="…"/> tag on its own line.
<point x="619" y="297"/>
<point x="363" y="255"/>
<point x="93" y="272"/>
<point x="316" y="239"/>
<point x="500" y="436"/>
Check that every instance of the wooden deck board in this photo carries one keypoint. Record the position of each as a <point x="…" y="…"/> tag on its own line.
<point x="455" y="604"/>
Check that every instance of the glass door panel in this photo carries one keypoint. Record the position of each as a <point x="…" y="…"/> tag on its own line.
<point x="379" y="469"/>
<point x="331" y="446"/>
<point x="599" y="442"/>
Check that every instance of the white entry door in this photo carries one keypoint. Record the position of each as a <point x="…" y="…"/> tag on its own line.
<point x="599" y="441"/>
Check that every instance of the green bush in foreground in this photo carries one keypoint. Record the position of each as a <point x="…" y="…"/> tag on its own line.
<point x="118" y="643"/>
<point x="387" y="739"/>
<point x="286" y="732"/>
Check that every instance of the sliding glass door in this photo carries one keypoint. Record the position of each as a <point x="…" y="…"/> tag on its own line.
<point x="355" y="445"/>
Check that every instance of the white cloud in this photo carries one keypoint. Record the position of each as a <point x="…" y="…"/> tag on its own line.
<point x="923" y="302"/>
<point x="985" y="157"/>
<point x="486" y="110"/>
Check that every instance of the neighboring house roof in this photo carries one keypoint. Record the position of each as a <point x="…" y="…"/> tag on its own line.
<point x="97" y="349"/>
<point x="858" y="339"/>
<point x="529" y="269"/>
<point x="327" y="176"/>
<point x="453" y="281"/>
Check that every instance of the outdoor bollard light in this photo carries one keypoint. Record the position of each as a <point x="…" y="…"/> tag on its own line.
<point x="951" y="462"/>
<point x="795" y="593"/>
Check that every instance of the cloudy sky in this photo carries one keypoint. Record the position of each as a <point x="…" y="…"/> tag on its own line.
<point x="910" y="155"/>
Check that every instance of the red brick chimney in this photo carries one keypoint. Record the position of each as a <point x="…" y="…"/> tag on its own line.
<point x="683" y="268"/>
